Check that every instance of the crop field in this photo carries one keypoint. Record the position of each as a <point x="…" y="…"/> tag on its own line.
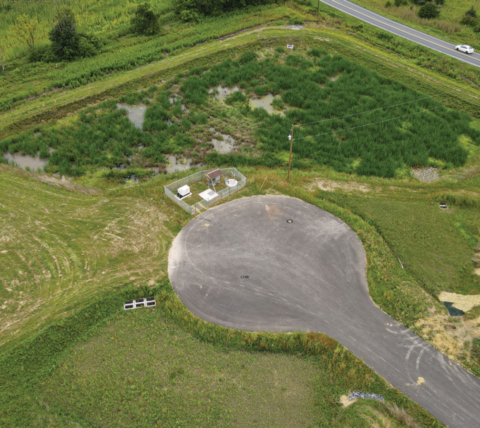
<point x="355" y="120"/>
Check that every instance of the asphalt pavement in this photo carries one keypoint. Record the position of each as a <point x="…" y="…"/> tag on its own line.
<point x="404" y="31"/>
<point x="244" y="266"/>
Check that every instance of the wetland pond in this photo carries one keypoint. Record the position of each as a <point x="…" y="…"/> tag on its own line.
<point x="183" y="164"/>
<point x="266" y="103"/>
<point x="223" y="145"/>
<point x="136" y="114"/>
<point x="27" y="161"/>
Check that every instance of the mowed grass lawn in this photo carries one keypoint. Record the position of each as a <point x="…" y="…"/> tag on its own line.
<point x="59" y="247"/>
<point x="142" y="370"/>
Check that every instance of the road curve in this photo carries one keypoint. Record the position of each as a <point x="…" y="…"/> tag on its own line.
<point x="404" y="31"/>
<point x="242" y="265"/>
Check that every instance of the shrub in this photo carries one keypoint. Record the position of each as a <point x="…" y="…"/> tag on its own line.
<point x="471" y="12"/>
<point x="295" y="21"/>
<point x="87" y="45"/>
<point x="194" y="10"/>
<point x="388" y="4"/>
<point x="317" y="53"/>
<point x="44" y="54"/>
<point x="385" y="36"/>
<point x="476" y="29"/>
<point x="469" y="21"/>
<point x="145" y="21"/>
<point x="64" y="36"/>
<point x="399" y="3"/>
<point x="428" y="11"/>
<point x="236" y="97"/>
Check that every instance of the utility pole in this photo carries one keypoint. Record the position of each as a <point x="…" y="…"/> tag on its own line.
<point x="290" y="137"/>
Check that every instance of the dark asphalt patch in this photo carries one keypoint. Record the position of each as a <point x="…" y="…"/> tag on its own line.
<point x="311" y="277"/>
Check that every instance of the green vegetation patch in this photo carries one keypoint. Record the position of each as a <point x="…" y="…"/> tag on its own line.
<point x="142" y="370"/>
<point x="435" y="245"/>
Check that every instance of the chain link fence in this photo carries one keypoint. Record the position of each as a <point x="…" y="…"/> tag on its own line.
<point x="172" y="188"/>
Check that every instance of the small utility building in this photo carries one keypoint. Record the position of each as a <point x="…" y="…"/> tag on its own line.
<point x="213" y="176"/>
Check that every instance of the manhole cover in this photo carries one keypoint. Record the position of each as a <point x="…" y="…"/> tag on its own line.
<point x="289" y="221"/>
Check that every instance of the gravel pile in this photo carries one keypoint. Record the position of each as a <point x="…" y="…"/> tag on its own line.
<point x="426" y="175"/>
<point x="358" y="394"/>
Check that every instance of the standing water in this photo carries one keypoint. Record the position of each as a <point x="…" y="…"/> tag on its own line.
<point x="27" y="161"/>
<point x="266" y="103"/>
<point x="224" y="145"/>
<point x="136" y="114"/>
<point x="221" y="93"/>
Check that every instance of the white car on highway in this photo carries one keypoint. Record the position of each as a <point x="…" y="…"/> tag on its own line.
<point x="464" y="48"/>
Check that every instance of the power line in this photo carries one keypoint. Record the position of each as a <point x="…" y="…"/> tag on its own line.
<point x="369" y="111"/>
<point x="368" y="124"/>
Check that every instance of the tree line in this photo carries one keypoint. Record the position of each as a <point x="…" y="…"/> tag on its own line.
<point x="194" y="10"/>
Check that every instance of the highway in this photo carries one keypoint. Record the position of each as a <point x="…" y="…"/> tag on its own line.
<point x="404" y="31"/>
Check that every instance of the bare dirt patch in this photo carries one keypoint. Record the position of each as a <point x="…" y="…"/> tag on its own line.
<point x="332" y="186"/>
<point x="346" y="401"/>
<point x="464" y="303"/>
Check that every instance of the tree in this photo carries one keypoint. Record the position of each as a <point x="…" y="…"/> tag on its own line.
<point x="26" y="31"/>
<point x="471" y="12"/>
<point x="64" y="37"/>
<point x="428" y="10"/>
<point x="145" y="21"/>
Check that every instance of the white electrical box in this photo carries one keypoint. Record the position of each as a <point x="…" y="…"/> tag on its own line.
<point x="183" y="191"/>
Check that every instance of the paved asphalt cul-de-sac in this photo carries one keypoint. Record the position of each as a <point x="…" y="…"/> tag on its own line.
<point x="242" y="265"/>
<point x="408" y="33"/>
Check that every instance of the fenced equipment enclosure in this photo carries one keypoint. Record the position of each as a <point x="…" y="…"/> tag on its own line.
<point x="229" y="173"/>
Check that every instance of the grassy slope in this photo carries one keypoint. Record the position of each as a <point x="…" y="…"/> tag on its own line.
<point x="177" y="380"/>
<point x="66" y="246"/>
<point x="447" y="26"/>
<point x="436" y="247"/>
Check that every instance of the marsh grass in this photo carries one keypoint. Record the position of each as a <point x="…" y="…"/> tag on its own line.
<point x="356" y="120"/>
